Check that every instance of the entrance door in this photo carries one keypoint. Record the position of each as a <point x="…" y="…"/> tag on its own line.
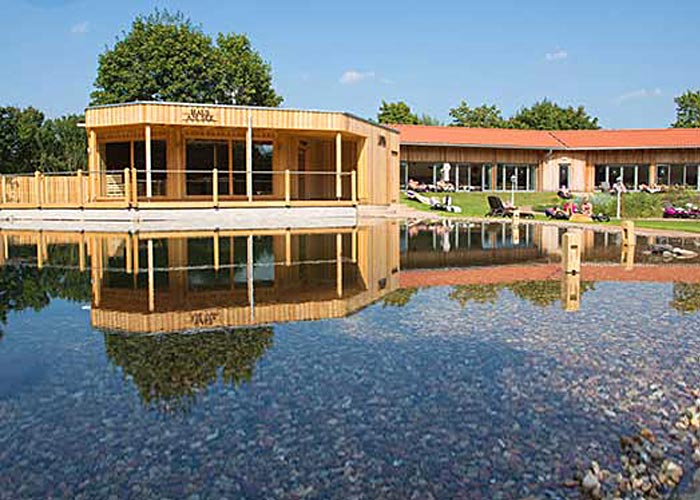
<point x="564" y="175"/>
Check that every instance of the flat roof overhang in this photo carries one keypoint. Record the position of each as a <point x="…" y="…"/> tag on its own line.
<point x="305" y="120"/>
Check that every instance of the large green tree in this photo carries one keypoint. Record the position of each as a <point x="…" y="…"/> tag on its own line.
<point x="687" y="110"/>
<point x="165" y="57"/>
<point x="64" y="144"/>
<point x="396" y="113"/>
<point x="484" y="116"/>
<point x="28" y="142"/>
<point x="547" y="115"/>
<point x="20" y="139"/>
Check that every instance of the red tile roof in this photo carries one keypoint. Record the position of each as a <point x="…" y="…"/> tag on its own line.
<point x="463" y="136"/>
<point x="555" y="139"/>
<point x="630" y="139"/>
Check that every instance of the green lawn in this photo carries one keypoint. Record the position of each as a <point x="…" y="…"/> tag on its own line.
<point x="691" y="226"/>
<point x="476" y="205"/>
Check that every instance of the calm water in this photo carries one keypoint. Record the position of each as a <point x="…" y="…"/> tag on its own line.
<point x="292" y="365"/>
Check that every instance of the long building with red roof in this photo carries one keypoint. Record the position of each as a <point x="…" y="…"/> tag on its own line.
<point x="487" y="159"/>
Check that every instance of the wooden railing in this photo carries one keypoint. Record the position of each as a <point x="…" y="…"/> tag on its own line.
<point x="214" y="188"/>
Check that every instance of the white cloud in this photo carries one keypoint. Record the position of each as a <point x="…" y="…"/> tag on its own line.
<point x="351" y="76"/>
<point x="638" y="94"/>
<point x="80" y="28"/>
<point x="557" y="55"/>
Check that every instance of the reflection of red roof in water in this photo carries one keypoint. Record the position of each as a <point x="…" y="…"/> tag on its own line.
<point x="671" y="138"/>
<point x="661" y="273"/>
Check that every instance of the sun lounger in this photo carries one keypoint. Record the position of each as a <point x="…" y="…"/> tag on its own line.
<point x="498" y="209"/>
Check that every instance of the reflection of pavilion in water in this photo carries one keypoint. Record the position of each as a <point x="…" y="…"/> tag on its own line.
<point x="205" y="280"/>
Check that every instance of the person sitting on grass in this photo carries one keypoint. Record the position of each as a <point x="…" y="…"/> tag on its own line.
<point x="587" y="207"/>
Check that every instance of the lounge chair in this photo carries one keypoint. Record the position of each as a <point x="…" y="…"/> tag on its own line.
<point x="498" y="209"/>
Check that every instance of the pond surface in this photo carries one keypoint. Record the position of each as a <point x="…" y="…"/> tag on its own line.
<point x="388" y="361"/>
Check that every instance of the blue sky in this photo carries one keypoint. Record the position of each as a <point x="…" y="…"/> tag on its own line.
<point x="624" y="60"/>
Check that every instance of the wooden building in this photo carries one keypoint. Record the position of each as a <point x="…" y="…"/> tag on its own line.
<point x="171" y="155"/>
<point x="475" y="159"/>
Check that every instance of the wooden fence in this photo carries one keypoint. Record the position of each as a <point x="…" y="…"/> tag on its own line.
<point x="121" y="190"/>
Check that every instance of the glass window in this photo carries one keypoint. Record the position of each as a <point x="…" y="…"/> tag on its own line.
<point x="628" y="177"/>
<point x="643" y="175"/>
<point x="158" y="166"/>
<point x="403" y="174"/>
<point x="487" y="178"/>
<point x="421" y="172"/>
<point x="202" y="158"/>
<point x="262" y="163"/>
<point x="662" y="174"/>
<point x="117" y="155"/>
<point x="239" y="186"/>
<point x="691" y="176"/>
<point x="476" y="177"/>
<point x="677" y="176"/>
<point x="601" y="175"/>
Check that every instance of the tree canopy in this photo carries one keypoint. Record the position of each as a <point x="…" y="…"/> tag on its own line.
<point x="484" y="116"/>
<point x="29" y="142"/>
<point x="165" y="57"/>
<point x="400" y="113"/>
<point x="547" y="115"/>
<point x="687" y="110"/>
<point x="397" y="113"/>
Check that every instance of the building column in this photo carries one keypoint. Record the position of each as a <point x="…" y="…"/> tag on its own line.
<point x="149" y="186"/>
<point x="249" y="159"/>
<point x="338" y="165"/>
<point x="339" y="264"/>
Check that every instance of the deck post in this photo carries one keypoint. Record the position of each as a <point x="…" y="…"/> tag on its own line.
<point x="81" y="252"/>
<point x="339" y="264"/>
<point x="128" y="257"/>
<point x="216" y="251"/>
<point x="149" y="186"/>
<point x="135" y="245"/>
<point x="127" y="188"/>
<point x="287" y="187"/>
<point x="215" y="187"/>
<point x="81" y="195"/>
<point x="249" y="159"/>
<point x="338" y="165"/>
<point x="151" y="279"/>
<point x="95" y="264"/>
<point x="40" y="242"/>
<point x="37" y="188"/>
<point x="4" y="189"/>
<point x="134" y="187"/>
<point x="249" y="276"/>
<point x="354" y="245"/>
<point x="353" y="186"/>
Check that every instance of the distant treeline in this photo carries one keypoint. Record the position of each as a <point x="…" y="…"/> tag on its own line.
<point x="29" y="142"/>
